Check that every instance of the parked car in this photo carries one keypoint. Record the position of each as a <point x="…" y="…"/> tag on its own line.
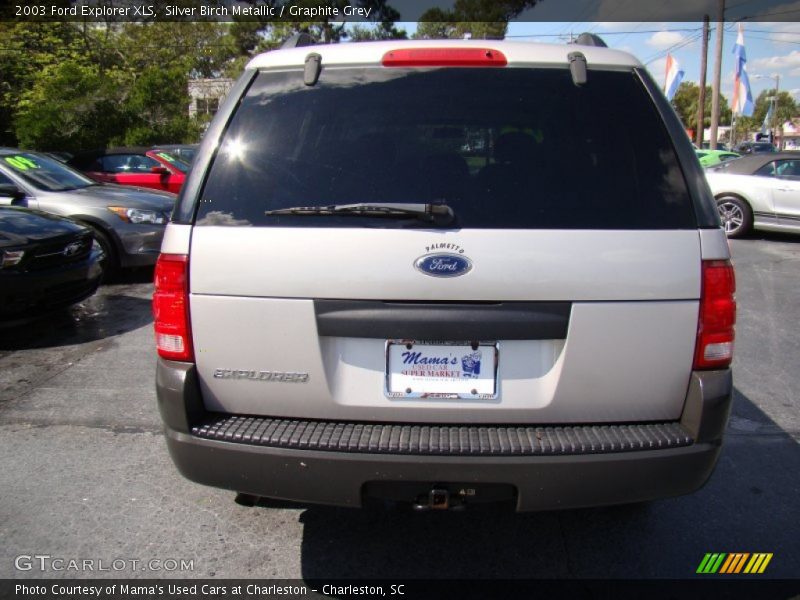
<point x="142" y="167"/>
<point x="371" y="314"/>
<point x="128" y="223"/>
<point x="755" y="147"/>
<point x="46" y="262"/>
<point x="183" y="152"/>
<point x="720" y="146"/>
<point x="760" y="191"/>
<point x="709" y="158"/>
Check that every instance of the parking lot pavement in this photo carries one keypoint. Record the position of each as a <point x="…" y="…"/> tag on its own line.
<point x="84" y="471"/>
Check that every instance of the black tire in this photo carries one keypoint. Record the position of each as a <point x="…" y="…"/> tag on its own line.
<point x="736" y="215"/>
<point x="110" y="261"/>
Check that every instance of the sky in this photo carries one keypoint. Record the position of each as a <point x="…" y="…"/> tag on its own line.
<point x="772" y="48"/>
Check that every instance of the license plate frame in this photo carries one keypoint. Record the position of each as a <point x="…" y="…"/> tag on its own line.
<point x="474" y="377"/>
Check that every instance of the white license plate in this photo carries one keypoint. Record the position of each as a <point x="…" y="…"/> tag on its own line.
<point x="441" y="370"/>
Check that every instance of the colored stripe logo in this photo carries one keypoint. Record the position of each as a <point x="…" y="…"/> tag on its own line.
<point x="734" y="563"/>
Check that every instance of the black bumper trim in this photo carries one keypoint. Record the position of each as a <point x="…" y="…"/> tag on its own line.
<point x="450" y="440"/>
<point x="443" y="320"/>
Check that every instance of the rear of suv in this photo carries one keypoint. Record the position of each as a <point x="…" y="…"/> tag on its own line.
<point x="446" y="272"/>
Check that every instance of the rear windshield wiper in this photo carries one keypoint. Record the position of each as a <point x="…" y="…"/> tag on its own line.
<point x="427" y="212"/>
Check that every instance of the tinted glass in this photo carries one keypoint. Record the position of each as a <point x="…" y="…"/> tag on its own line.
<point x="173" y="160"/>
<point x="768" y="170"/>
<point x="45" y="173"/>
<point x="787" y="168"/>
<point x="505" y="148"/>
<point x="128" y="163"/>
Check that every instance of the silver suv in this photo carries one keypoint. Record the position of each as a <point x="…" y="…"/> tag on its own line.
<point x="446" y="272"/>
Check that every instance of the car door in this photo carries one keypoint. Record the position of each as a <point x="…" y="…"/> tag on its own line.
<point x="135" y="169"/>
<point x="174" y="171"/>
<point x="785" y="185"/>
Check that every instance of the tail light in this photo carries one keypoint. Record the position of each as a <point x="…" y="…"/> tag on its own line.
<point x="444" y="57"/>
<point x="171" y="307"/>
<point x="714" y="349"/>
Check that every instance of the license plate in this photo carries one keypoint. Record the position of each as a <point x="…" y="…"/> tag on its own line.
<point x="441" y="370"/>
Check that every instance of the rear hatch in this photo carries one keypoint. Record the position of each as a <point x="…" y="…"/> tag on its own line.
<point x="564" y="289"/>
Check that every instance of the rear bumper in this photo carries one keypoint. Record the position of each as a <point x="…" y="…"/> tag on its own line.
<point x="542" y="482"/>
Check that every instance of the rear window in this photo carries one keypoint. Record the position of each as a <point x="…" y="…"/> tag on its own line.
<point x="505" y="148"/>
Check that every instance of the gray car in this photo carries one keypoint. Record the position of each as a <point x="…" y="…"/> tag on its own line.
<point x="128" y="222"/>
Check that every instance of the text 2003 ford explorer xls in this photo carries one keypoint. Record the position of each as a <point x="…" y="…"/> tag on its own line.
<point x="446" y="272"/>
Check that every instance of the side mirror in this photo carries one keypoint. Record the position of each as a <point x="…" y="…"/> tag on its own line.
<point x="159" y="170"/>
<point x="11" y="194"/>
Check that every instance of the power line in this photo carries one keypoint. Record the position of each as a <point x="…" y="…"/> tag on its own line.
<point x="676" y="46"/>
<point x="602" y="32"/>
<point x="781" y="12"/>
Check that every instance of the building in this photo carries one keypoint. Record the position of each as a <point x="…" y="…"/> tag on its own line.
<point x="206" y="95"/>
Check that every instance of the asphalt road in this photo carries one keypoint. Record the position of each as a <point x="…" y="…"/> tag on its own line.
<point x="84" y="473"/>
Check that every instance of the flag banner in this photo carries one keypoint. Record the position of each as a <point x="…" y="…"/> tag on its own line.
<point x="742" y="102"/>
<point x="765" y="126"/>
<point x="674" y="75"/>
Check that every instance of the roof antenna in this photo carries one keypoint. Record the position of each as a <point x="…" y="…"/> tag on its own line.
<point x="577" y="67"/>
<point x="312" y="69"/>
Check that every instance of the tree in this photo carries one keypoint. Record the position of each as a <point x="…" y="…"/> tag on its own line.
<point x="199" y="49"/>
<point x="71" y="107"/>
<point x="156" y="108"/>
<point x="786" y="110"/>
<point x="72" y="86"/>
<point x="481" y="19"/>
<point x="362" y="33"/>
<point x="685" y="103"/>
<point x="26" y="50"/>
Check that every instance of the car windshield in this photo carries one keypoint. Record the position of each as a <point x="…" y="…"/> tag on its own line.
<point x="45" y="173"/>
<point x="174" y="161"/>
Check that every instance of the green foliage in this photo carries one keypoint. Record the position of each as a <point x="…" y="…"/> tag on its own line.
<point x="156" y="108"/>
<point x="70" y="107"/>
<point x="73" y="86"/>
<point x="686" y="99"/>
<point x="362" y="33"/>
<point x="786" y="110"/>
<point x="27" y="49"/>
<point x="481" y="19"/>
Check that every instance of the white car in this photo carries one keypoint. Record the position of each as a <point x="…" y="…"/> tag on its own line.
<point x="350" y="304"/>
<point x="761" y="191"/>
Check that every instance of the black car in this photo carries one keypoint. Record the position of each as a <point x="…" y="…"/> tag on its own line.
<point x="46" y="262"/>
<point x="755" y="147"/>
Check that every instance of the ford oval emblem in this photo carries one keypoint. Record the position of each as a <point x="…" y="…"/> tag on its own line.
<point x="443" y="265"/>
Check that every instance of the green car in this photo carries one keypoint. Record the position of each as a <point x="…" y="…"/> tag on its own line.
<point x="709" y="158"/>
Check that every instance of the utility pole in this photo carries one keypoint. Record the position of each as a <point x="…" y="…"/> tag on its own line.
<point x="775" y="133"/>
<point x="701" y="102"/>
<point x="717" y="75"/>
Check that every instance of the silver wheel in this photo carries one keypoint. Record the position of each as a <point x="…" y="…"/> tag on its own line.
<point x="735" y="216"/>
